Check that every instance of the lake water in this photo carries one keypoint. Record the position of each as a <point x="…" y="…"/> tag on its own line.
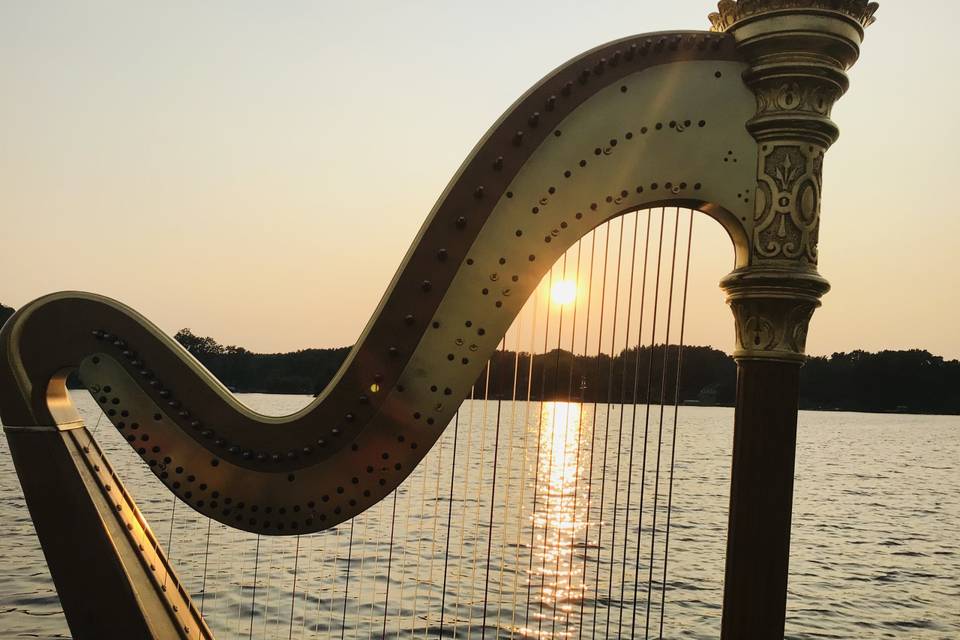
<point x="876" y="534"/>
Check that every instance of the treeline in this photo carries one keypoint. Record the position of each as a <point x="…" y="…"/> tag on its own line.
<point x="305" y="371"/>
<point x="912" y="381"/>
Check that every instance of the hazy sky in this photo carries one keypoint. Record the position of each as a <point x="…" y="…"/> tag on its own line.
<point x="256" y="171"/>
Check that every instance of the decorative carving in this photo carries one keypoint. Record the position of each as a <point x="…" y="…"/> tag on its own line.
<point x="798" y="52"/>
<point x="787" y="214"/>
<point x="771" y="328"/>
<point x="772" y="308"/>
<point x="796" y="97"/>
<point x="729" y="12"/>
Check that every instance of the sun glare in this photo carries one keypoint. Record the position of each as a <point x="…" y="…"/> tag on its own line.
<point x="564" y="292"/>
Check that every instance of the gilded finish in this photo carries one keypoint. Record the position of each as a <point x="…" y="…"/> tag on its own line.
<point x="798" y="53"/>
<point x="735" y="124"/>
<point x="648" y="121"/>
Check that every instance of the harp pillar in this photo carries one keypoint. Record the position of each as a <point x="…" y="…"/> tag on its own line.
<point x="798" y="53"/>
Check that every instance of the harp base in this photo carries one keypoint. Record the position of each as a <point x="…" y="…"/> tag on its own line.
<point x="112" y="578"/>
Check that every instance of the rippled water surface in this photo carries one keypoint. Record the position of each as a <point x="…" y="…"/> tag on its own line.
<point x="570" y="554"/>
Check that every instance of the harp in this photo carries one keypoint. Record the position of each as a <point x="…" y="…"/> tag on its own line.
<point x="733" y="123"/>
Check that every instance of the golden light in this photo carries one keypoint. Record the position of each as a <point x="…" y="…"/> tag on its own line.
<point x="564" y="292"/>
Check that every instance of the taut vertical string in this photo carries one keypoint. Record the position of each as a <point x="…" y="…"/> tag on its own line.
<point x="476" y="521"/>
<point x="536" y="468"/>
<point x="506" y="495"/>
<point x="386" y="597"/>
<point x="206" y="557"/>
<point x="253" y="598"/>
<point x="463" y="519"/>
<point x="346" y="586"/>
<point x="523" y="468"/>
<point x="436" y="513"/>
<point x="596" y="404"/>
<point x="553" y="426"/>
<point x="623" y="397"/>
<point x="606" y="426"/>
<point x="493" y="495"/>
<point x="663" y="392"/>
<point x="676" y="410"/>
<point x="582" y="587"/>
<point x="633" y="418"/>
<point x="293" y="590"/>
<point x="646" y="423"/>
<point x="576" y="475"/>
<point x="446" y="552"/>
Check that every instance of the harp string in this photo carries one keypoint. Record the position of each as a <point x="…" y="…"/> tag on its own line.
<point x="548" y="493"/>
<point x="561" y="521"/>
<point x="523" y="468"/>
<point x="253" y="597"/>
<point x="560" y="499"/>
<point x="308" y="571"/>
<point x="463" y="518"/>
<point x="386" y="596"/>
<point x="493" y="493"/>
<point x="332" y="581"/>
<point x="346" y="586"/>
<point x="594" y="431"/>
<point x="623" y="392"/>
<point x="446" y="553"/>
<point x="573" y="337"/>
<point x="581" y="587"/>
<point x="536" y="468"/>
<point x="293" y="589"/>
<point x="633" y="417"/>
<point x="206" y="558"/>
<point x="476" y="540"/>
<point x="436" y="516"/>
<point x="375" y="560"/>
<point x="606" y="426"/>
<point x="417" y="577"/>
<point x="170" y="527"/>
<point x="518" y="330"/>
<point x="676" y="411"/>
<point x="646" y="424"/>
<point x="419" y="554"/>
<point x="663" y="392"/>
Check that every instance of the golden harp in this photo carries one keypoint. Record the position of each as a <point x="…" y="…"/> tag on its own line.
<point x="733" y="123"/>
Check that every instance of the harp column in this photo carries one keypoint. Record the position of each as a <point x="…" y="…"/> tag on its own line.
<point x="798" y="52"/>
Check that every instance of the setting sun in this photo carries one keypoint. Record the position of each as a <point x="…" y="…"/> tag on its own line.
<point x="564" y="292"/>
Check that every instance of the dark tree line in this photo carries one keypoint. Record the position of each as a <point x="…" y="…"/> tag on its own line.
<point x="904" y="381"/>
<point x="912" y="381"/>
<point x="305" y="371"/>
<point x="5" y="312"/>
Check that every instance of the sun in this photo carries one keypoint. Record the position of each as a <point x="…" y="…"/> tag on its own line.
<point x="564" y="292"/>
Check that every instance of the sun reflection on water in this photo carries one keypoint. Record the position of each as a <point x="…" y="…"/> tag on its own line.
<point x="557" y="573"/>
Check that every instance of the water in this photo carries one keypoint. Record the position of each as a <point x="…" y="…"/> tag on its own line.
<point x="876" y="534"/>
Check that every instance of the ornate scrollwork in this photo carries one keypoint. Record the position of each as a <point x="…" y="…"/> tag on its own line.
<point x="787" y="218"/>
<point x="796" y="97"/>
<point x="772" y="310"/>
<point x="729" y="12"/>
<point x="771" y="329"/>
<point x="798" y="52"/>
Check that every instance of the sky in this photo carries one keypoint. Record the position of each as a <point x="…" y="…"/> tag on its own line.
<point x="256" y="171"/>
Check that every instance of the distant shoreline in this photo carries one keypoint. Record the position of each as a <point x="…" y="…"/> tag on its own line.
<point x="906" y="382"/>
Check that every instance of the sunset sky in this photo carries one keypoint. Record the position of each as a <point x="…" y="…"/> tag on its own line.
<point x="256" y="171"/>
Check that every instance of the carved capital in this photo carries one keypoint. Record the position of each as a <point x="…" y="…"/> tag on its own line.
<point x="772" y="310"/>
<point x="798" y="53"/>
<point x="729" y="12"/>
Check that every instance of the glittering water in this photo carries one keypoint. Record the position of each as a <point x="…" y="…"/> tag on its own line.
<point x="876" y="535"/>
